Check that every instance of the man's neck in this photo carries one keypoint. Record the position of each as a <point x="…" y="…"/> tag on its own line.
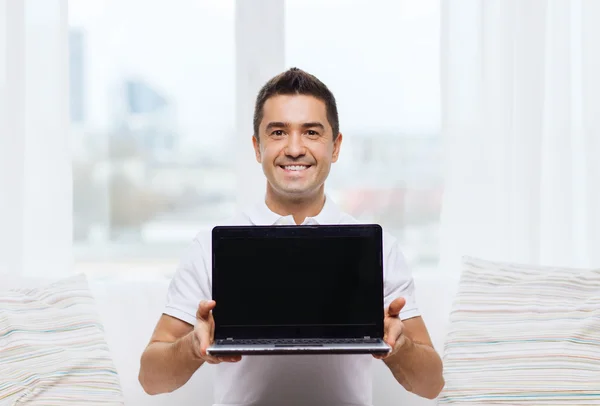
<point x="300" y="208"/>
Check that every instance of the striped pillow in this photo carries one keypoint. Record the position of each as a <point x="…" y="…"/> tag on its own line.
<point x="52" y="348"/>
<point x="523" y="335"/>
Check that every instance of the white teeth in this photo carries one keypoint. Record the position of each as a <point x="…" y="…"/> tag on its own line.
<point x="295" y="167"/>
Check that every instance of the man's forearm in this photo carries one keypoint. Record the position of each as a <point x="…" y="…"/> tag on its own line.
<point x="418" y="368"/>
<point x="166" y="367"/>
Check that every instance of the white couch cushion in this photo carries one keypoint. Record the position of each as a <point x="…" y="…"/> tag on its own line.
<point x="523" y="335"/>
<point x="52" y="347"/>
<point x="129" y="310"/>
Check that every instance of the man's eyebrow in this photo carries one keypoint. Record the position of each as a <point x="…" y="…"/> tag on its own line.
<point x="277" y="124"/>
<point x="313" y="124"/>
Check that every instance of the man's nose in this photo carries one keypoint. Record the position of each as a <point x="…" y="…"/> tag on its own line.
<point x="295" y="145"/>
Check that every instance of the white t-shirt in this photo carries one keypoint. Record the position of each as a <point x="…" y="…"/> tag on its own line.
<point x="332" y="380"/>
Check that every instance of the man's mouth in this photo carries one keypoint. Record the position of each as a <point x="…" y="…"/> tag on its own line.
<point x="294" y="168"/>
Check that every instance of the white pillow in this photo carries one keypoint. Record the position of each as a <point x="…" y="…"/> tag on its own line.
<point x="52" y="348"/>
<point x="523" y="335"/>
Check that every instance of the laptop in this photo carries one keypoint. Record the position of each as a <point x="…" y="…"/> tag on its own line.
<point x="309" y="289"/>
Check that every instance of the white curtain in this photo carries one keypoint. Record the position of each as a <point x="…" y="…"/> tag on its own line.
<point x="35" y="161"/>
<point x="256" y="22"/>
<point x="521" y="127"/>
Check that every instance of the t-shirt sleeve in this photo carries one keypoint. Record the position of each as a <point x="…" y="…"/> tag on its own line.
<point x="190" y="284"/>
<point x="399" y="282"/>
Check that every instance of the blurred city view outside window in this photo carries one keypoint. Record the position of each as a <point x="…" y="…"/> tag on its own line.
<point x="152" y="88"/>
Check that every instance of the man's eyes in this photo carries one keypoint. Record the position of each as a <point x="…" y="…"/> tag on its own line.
<point x="279" y="133"/>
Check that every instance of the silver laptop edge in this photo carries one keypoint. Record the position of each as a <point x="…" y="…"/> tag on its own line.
<point x="274" y="349"/>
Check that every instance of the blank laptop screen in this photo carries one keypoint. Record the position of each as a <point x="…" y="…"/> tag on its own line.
<point x="297" y="279"/>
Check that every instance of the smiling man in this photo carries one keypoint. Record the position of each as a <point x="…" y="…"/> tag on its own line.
<point x="296" y="139"/>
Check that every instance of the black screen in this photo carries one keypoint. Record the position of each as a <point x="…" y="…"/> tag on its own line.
<point x="304" y="278"/>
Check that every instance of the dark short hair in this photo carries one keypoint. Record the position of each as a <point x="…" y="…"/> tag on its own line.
<point x="296" y="82"/>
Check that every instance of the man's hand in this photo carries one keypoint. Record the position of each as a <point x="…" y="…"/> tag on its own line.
<point x="413" y="360"/>
<point x="393" y="328"/>
<point x="204" y="332"/>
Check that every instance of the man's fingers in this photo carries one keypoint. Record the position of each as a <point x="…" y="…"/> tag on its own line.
<point x="204" y="309"/>
<point x="211" y="360"/>
<point x="205" y="333"/>
<point x="396" y="306"/>
<point x="231" y="359"/>
<point x="217" y="360"/>
<point x="393" y="332"/>
<point x="205" y="341"/>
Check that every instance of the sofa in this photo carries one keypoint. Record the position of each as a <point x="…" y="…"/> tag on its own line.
<point x="509" y="334"/>
<point x="130" y="305"/>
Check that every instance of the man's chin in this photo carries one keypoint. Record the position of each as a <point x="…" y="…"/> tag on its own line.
<point x="295" y="191"/>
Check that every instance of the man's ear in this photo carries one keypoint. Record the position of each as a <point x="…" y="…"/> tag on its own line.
<point x="337" y="144"/>
<point x="256" y="146"/>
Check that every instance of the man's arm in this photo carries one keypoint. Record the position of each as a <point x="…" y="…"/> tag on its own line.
<point x="168" y="362"/>
<point x="416" y="365"/>
<point x="177" y="350"/>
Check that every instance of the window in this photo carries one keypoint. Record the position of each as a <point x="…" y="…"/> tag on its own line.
<point x="152" y="111"/>
<point x="153" y="120"/>
<point x="381" y="61"/>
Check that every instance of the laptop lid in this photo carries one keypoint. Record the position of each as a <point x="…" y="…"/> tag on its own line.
<point x="298" y="281"/>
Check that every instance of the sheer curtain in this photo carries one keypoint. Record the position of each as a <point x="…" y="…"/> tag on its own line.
<point x="35" y="164"/>
<point x="521" y="127"/>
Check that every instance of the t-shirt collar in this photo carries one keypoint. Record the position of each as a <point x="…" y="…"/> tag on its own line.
<point x="260" y="214"/>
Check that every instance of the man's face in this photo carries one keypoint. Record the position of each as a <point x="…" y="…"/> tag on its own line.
<point x="296" y="147"/>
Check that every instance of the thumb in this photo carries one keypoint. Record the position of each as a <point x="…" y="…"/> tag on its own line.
<point x="396" y="306"/>
<point x="204" y="309"/>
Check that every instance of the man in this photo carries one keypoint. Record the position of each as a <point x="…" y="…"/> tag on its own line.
<point x="296" y="139"/>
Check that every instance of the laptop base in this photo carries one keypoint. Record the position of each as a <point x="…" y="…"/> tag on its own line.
<point x="225" y="350"/>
